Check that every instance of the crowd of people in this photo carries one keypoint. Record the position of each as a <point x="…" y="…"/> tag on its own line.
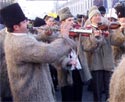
<point x="40" y="56"/>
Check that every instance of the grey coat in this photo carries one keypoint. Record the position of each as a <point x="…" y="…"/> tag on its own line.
<point x="84" y="72"/>
<point x="99" y="51"/>
<point x="27" y="63"/>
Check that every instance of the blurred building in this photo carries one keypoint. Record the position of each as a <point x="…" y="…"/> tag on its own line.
<point x="4" y="3"/>
<point x="78" y="6"/>
<point x="82" y="6"/>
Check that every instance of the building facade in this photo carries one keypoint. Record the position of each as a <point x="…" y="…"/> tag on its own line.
<point x="82" y="6"/>
<point x="78" y="6"/>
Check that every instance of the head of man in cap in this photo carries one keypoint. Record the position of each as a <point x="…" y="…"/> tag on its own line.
<point x="66" y="18"/>
<point x="14" y="18"/>
<point x="94" y="16"/>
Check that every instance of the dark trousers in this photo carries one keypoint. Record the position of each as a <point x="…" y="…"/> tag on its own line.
<point x="73" y="93"/>
<point x="54" y="76"/>
<point x="6" y="99"/>
<point x="100" y="82"/>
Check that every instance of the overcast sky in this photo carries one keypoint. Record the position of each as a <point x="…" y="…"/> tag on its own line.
<point x="36" y="8"/>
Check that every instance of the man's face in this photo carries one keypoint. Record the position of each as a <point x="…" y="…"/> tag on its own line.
<point x="96" y="18"/>
<point x="69" y="21"/>
<point x="50" y="21"/>
<point x="66" y="25"/>
<point x="22" y="27"/>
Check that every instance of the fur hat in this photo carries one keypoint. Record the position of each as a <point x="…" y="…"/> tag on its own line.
<point x="64" y="14"/>
<point x="12" y="14"/>
<point x="102" y="9"/>
<point x="93" y="10"/>
<point x="120" y="10"/>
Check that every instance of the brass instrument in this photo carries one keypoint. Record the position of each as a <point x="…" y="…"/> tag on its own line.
<point x="76" y="32"/>
<point x="72" y="32"/>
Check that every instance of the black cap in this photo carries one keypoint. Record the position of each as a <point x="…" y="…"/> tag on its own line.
<point x="80" y="15"/>
<point x="39" y="22"/>
<point x="102" y="9"/>
<point x="12" y="14"/>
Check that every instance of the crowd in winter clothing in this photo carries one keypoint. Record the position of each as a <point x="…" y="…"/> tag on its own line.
<point x="38" y="57"/>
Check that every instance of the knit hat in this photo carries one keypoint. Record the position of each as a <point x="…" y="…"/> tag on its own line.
<point x="12" y="14"/>
<point x="64" y="14"/>
<point x="93" y="10"/>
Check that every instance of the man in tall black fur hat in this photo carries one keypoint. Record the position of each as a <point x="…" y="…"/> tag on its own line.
<point x="27" y="58"/>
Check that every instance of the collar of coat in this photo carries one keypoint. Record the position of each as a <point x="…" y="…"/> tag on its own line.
<point x="19" y="34"/>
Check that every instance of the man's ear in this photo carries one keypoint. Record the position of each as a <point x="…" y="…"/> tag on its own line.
<point x="16" y="27"/>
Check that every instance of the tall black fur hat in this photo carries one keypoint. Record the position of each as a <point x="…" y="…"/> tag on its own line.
<point x="120" y="9"/>
<point x="12" y="14"/>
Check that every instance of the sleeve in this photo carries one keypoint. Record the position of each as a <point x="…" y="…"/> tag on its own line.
<point x="44" y="37"/>
<point x="32" y="50"/>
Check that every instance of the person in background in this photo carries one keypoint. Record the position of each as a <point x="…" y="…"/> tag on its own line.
<point x="27" y="58"/>
<point x="80" y="20"/>
<point x="57" y="20"/>
<point x="76" y="72"/>
<point x="112" y="16"/>
<point x="117" y="82"/>
<point x="102" y="10"/>
<point x="119" y="51"/>
<point x="99" y="51"/>
<point x="50" y="23"/>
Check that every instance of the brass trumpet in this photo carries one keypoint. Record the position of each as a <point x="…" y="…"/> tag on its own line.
<point x="72" y="32"/>
<point x="76" y="32"/>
